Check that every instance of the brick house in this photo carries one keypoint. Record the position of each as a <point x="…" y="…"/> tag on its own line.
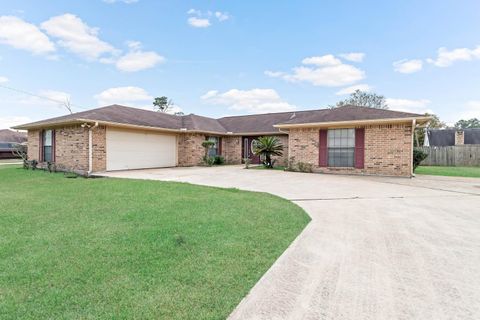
<point x="349" y="139"/>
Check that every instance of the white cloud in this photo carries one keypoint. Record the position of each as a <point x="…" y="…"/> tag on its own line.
<point x="9" y="121"/>
<point x="3" y="79"/>
<point x="130" y="96"/>
<point x="199" y="19"/>
<point x="124" y="1"/>
<point x="195" y="12"/>
<point x="199" y="22"/>
<point x="78" y="37"/>
<point x="471" y="110"/>
<point x="408" y="66"/>
<point x="446" y="58"/>
<point x="19" y="34"/>
<point x="353" y="56"/>
<point x="352" y="89"/>
<point x="326" y="60"/>
<point x="222" y="16"/>
<point x="407" y="105"/>
<point x="137" y="59"/>
<point x="251" y="101"/>
<point x="327" y="71"/>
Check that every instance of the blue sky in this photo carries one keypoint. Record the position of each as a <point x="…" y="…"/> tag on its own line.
<point x="219" y="58"/>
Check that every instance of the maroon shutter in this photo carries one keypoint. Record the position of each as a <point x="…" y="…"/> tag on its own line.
<point x="220" y="146"/>
<point x="322" y="149"/>
<point x="359" y="148"/>
<point x="53" y="145"/>
<point x="40" y="146"/>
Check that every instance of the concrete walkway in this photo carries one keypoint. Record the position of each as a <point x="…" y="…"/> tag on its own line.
<point x="377" y="248"/>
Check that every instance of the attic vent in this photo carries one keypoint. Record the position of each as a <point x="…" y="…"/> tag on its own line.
<point x="293" y="116"/>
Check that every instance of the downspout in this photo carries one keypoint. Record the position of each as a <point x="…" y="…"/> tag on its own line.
<point x="414" y="123"/>
<point x="90" y="151"/>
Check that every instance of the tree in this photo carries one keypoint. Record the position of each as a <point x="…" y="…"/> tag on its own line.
<point x="468" y="124"/>
<point x="434" y="123"/>
<point x="268" y="147"/>
<point x="364" y="99"/>
<point x="162" y="104"/>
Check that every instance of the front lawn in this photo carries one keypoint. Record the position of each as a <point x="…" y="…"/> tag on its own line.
<point x="125" y="249"/>
<point x="473" y="172"/>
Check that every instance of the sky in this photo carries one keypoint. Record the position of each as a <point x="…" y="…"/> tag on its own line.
<point x="219" y="58"/>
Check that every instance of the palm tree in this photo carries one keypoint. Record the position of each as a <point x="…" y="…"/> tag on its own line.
<point x="268" y="147"/>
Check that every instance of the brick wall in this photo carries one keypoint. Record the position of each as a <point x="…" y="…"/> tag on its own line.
<point x="232" y="149"/>
<point x="282" y="160"/>
<point x="190" y="150"/>
<point x="99" y="149"/>
<point x="388" y="150"/>
<point x="71" y="148"/>
<point x="33" y="143"/>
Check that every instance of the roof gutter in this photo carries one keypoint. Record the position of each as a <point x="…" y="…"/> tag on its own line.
<point x="352" y="122"/>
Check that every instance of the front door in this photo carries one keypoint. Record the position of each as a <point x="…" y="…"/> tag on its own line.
<point x="247" y="150"/>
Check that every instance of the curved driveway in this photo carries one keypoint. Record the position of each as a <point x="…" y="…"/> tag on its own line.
<point x="376" y="248"/>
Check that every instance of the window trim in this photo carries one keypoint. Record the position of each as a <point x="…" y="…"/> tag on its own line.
<point x="52" y="145"/>
<point x="348" y="148"/>
<point x="218" y="148"/>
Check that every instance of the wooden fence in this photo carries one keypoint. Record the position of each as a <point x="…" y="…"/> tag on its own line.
<point x="464" y="155"/>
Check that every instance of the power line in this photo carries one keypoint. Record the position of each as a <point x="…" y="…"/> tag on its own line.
<point x="42" y="97"/>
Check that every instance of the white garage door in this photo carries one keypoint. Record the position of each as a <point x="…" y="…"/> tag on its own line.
<point x="139" y="149"/>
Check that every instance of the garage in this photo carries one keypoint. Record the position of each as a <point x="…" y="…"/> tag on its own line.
<point x="131" y="149"/>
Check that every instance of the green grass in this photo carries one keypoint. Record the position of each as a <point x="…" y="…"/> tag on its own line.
<point x="130" y="249"/>
<point x="473" y="172"/>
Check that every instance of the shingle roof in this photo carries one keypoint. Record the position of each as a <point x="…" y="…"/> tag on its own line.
<point x="7" y="135"/>
<point x="346" y="113"/>
<point x="258" y="123"/>
<point x="446" y="137"/>
<point x="120" y="114"/>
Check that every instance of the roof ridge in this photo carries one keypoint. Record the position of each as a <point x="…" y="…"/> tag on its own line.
<point x="268" y="113"/>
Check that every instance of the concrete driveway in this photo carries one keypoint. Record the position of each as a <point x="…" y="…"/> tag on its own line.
<point x="377" y="248"/>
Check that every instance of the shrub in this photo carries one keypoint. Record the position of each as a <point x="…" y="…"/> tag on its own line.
<point x="208" y="161"/>
<point x="305" y="167"/>
<point x="418" y="156"/>
<point x="268" y="146"/>
<point x="219" y="160"/>
<point x="247" y="162"/>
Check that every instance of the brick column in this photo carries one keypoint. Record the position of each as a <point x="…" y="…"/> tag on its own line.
<point x="459" y="137"/>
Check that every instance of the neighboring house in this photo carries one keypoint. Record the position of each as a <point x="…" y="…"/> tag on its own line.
<point x="8" y="140"/>
<point x="451" y="137"/>
<point x="347" y="139"/>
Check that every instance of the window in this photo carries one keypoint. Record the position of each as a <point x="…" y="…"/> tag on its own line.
<point x="47" y="145"/>
<point x="213" y="151"/>
<point x="341" y="147"/>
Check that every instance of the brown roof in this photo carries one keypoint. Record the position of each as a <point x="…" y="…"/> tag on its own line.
<point x="7" y="135"/>
<point x="256" y="123"/>
<point x="346" y="113"/>
<point x="119" y="114"/>
<point x="249" y="124"/>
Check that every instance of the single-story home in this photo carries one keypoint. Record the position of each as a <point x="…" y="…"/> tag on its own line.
<point x="8" y="140"/>
<point x="348" y="139"/>
<point x="451" y="137"/>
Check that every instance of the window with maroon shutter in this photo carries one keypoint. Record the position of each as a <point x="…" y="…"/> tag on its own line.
<point x="322" y="149"/>
<point x="359" y="148"/>
<point x="341" y="147"/>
